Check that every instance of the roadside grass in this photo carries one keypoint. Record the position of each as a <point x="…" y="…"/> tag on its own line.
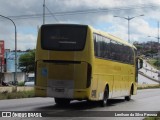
<point x="153" y="118"/>
<point x="16" y="95"/>
<point x="31" y="93"/>
<point x="152" y="62"/>
<point x="20" y="83"/>
<point x="148" y="87"/>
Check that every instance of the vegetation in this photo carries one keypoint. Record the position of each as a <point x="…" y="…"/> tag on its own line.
<point x="155" y="63"/>
<point x="27" y="61"/>
<point x="15" y="95"/>
<point x="148" y="87"/>
<point x="147" y="52"/>
<point x="149" y="49"/>
<point x="29" y="94"/>
<point x="153" y="118"/>
<point x="21" y="83"/>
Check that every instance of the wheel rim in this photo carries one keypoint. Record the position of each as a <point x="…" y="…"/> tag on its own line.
<point x="105" y="97"/>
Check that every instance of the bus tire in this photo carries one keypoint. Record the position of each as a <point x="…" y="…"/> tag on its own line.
<point x="62" y="101"/>
<point x="103" y="102"/>
<point x="128" y="98"/>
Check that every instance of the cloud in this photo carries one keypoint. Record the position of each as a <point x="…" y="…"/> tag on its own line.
<point x="97" y="13"/>
<point x="26" y="41"/>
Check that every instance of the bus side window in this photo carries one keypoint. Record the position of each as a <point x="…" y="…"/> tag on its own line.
<point x="107" y="48"/>
<point x="131" y="58"/>
<point x="121" y="52"/>
<point x="98" y="39"/>
<point x="95" y="44"/>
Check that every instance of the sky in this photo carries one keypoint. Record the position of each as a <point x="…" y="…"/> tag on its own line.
<point x="28" y="17"/>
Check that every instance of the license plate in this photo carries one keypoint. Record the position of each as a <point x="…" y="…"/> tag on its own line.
<point x="59" y="89"/>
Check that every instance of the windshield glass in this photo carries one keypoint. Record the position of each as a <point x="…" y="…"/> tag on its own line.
<point x="63" y="37"/>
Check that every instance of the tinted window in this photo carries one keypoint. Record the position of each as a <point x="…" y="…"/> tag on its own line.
<point x="113" y="53"/>
<point x="63" y="37"/>
<point x="108" y="49"/>
<point x="101" y="46"/>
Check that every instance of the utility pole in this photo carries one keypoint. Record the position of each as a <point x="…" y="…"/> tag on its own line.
<point x="158" y="54"/>
<point x="15" y="75"/>
<point x="158" y="45"/>
<point x="128" y="19"/>
<point x="1" y="73"/>
<point x="158" y="58"/>
<point x="44" y="12"/>
<point x="129" y="27"/>
<point x="158" y="33"/>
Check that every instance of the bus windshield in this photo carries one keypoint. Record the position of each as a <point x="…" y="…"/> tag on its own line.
<point x="63" y="37"/>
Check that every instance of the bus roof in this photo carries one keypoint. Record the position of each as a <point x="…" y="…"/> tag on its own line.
<point x="111" y="37"/>
<point x="101" y="33"/>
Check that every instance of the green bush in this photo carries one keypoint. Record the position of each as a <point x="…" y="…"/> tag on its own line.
<point x="148" y="87"/>
<point x="157" y="63"/>
<point x="153" y="118"/>
<point x="21" y="84"/>
<point x="15" y="95"/>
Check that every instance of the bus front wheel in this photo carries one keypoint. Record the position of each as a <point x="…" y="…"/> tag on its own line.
<point x="103" y="102"/>
<point x="62" y="101"/>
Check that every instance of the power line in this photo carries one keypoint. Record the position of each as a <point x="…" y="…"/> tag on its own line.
<point x="87" y="11"/>
<point x="52" y="14"/>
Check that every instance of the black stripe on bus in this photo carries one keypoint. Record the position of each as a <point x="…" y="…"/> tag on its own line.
<point x="62" y="62"/>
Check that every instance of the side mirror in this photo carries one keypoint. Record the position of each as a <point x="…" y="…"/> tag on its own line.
<point x="140" y="62"/>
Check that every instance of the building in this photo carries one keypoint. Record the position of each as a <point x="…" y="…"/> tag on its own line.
<point x="9" y="71"/>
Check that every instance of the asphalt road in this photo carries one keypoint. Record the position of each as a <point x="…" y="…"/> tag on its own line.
<point x="145" y="100"/>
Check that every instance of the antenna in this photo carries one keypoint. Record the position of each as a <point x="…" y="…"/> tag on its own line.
<point x="44" y="12"/>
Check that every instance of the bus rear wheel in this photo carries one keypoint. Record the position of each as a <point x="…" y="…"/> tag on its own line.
<point x="62" y="101"/>
<point x="128" y="98"/>
<point x="103" y="102"/>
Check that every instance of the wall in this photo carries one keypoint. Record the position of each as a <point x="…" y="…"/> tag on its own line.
<point x="10" y="77"/>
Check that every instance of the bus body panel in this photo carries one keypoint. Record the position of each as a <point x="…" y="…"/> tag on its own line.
<point x="63" y="74"/>
<point x="118" y="75"/>
<point x="62" y="79"/>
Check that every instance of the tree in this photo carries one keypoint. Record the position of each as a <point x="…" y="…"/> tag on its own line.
<point x="157" y="63"/>
<point x="27" y="61"/>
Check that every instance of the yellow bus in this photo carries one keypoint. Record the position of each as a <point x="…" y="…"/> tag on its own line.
<point x="77" y="62"/>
